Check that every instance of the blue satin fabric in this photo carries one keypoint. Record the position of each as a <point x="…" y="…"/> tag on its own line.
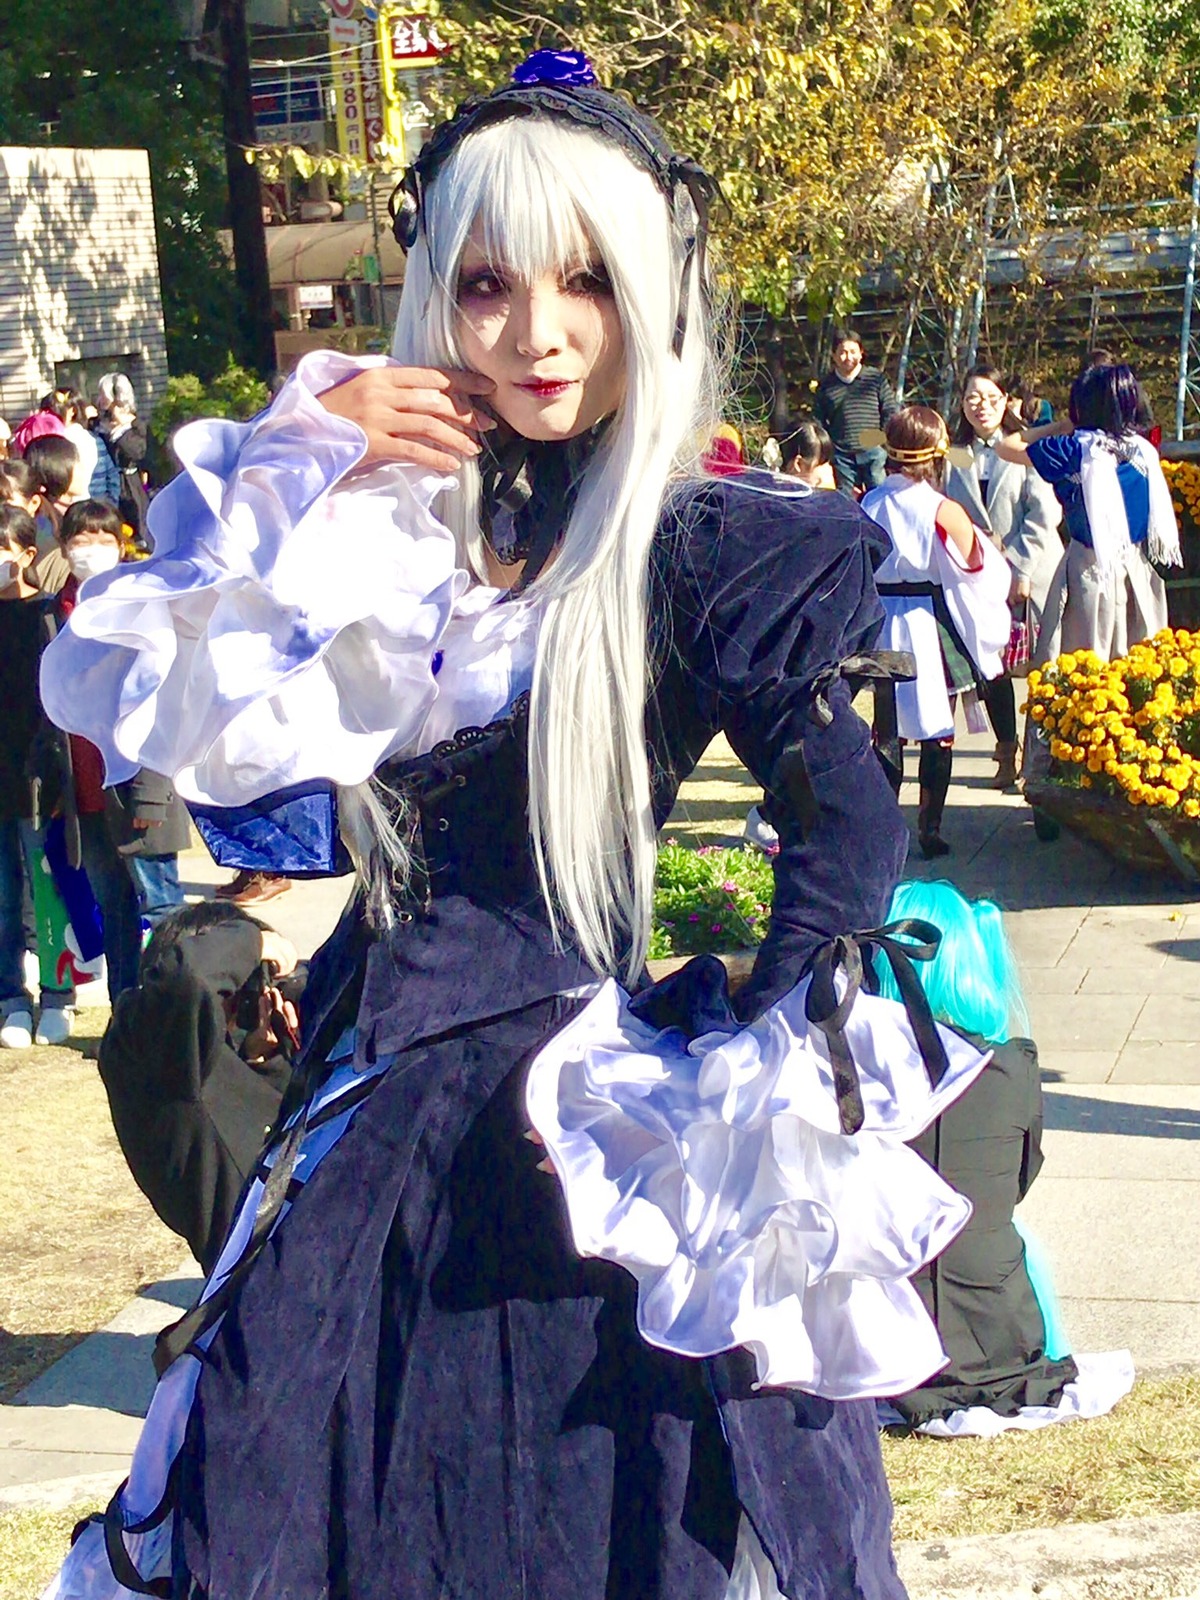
<point x="293" y="833"/>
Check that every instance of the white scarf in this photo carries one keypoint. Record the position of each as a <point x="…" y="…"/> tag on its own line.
<point x="1105" y="505"/>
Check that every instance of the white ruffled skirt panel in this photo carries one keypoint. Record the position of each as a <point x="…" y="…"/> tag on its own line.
<point x="718" y="1175"/>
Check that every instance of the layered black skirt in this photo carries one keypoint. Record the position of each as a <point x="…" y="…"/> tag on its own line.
<point x="421" y="1392"/>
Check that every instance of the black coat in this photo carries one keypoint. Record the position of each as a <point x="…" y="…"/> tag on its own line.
<point x="190" y="1115"/>
<point x="988" y="1146"/>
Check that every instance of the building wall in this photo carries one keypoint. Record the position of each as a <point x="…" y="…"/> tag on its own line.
<point x="79" y="290"/>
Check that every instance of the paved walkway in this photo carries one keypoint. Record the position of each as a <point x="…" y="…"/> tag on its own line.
<point x="1110" y="963"/>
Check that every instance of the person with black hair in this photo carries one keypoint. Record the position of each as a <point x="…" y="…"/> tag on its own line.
<point x="195" y="1062"/>
<point x="1117" y="515"/>
<point x="851" y="399"/>
<point x="71" y="408"/>
<point x="807" y="454"/>
<point x="24" y="634"/>
<point x="126" y="836"/>
<point x="1018" y="508"/>
<point x="54" y="462"/>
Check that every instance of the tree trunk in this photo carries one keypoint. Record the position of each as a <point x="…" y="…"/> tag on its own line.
<point x="245" y="193"/>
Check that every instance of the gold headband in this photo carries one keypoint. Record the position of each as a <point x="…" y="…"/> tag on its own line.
<point x="876" y="439"/>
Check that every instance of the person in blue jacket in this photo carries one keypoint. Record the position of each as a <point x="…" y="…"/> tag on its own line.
<point x="1117" y="516"/>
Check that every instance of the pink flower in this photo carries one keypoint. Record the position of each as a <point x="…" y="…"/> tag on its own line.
<point x="693" y="916"/>
<point x="730" y="887"/>
<point x="716" y="927"/>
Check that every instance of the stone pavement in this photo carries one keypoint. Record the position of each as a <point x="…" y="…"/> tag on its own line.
<point x="1110" y="963"/>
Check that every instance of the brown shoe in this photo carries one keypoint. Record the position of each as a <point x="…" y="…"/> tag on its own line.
<point x="1006" y="767"/>
<point x="235" y="886"/>
<point x="263" y="886"/>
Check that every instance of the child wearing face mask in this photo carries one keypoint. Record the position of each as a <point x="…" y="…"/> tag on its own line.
<point x="127" y="838"/>
<point x="24" y="633"/>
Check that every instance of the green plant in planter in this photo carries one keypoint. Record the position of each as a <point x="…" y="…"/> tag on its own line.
<point x="710" y="899"/>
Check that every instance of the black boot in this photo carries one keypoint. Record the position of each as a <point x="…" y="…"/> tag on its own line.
<point x="889" y="746"/>
<point x="934" y="777"/>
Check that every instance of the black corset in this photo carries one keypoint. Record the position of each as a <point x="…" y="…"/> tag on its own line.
<point x="465" y="818"/>
<point x="472" y="935"/>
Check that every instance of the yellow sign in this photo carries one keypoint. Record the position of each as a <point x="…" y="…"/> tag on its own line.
<point x="344" y="50"/>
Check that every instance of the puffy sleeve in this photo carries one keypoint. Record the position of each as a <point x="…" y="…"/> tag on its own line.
<point x="286" y="628"/>
<point x="771" y="594"/>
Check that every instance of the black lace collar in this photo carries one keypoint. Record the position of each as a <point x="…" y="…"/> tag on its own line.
<point x="528" y="491"/>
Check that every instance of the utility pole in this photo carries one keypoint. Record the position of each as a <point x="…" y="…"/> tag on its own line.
<point x="1189" y="297"/>
<point x="977" y="299"/>
<point x="245" y="191"/>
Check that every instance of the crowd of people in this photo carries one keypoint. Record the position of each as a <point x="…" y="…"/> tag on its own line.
<point x="547" y="1274"/>
<point x="1014" y="536"/>
<point x="73" y="502"/>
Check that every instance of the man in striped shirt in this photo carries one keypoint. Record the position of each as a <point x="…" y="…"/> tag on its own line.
<point x="850" y="398"/>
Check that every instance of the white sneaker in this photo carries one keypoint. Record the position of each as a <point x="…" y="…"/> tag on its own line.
<point x="760" y="833"/>
<point x="16" y="1031"/>
<point x="54" y="1025"/>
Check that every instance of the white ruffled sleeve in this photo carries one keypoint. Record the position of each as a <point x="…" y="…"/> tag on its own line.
<point x="718" y="1175"/>
<point x="286" y="627"/>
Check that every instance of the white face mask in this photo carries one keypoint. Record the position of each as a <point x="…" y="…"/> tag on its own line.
<point x="88" y="560"/>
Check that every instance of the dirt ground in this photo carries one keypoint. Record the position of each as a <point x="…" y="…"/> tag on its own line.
<point x="76" y="1237"/>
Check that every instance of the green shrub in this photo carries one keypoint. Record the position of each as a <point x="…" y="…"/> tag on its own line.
<point x="709" y="899"/>
<point x="234" y="393"/>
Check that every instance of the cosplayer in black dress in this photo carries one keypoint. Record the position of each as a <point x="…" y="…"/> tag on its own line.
<point x="479" y="1415"/>
<point x="415" y="1386"/>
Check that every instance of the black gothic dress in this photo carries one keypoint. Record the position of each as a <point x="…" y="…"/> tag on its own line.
<point x="419" y="1389"/>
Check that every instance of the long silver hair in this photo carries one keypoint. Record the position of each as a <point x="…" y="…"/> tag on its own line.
<point x="541" y="196"/>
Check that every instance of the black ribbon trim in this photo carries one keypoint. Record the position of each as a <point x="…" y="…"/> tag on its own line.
<point x="181" y="1336"/>
<point x="886" y="665"/>
<point x="903" y="942"/>
<point x="702" y="189"/>
<point x="119" y="1559"/>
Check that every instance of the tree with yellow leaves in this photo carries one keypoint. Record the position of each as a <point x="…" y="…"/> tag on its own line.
<point x="850" y="134"/>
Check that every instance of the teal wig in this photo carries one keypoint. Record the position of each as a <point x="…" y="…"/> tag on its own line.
<point x="972" y="981"/>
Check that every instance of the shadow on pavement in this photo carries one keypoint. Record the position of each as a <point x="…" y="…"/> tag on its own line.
<point x="110" y="1371"/>
<point x="996" y="854"/>
<point x="23" y="1356"/>
<point x="1071" y="1113"/>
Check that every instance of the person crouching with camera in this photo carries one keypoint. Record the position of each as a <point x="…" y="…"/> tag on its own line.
<point x="195" y="1063"/>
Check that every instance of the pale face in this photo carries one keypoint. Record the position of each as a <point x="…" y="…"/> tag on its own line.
<point x="15" y="562"/>
<point x="983" y="406"/>
<point x="94" y="539"/>
<point x="847" y="358"/>
<point x="554" y="348"/>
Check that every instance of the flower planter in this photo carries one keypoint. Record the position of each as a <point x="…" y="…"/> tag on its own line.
<point x="1150" y="840"/>
<point x="738" y="964"/>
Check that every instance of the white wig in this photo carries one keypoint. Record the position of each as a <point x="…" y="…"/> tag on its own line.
<point x="541" y="195"/>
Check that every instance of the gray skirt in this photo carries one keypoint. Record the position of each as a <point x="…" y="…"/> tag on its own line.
<point x="1107" y="614"/>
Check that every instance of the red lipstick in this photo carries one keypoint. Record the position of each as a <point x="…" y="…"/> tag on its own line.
<point x="546" y="388"/>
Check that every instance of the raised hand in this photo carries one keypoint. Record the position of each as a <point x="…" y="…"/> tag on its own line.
<point x="422" y="415"/>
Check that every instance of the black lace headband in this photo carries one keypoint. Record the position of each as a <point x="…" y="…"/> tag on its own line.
<point x="561" y="83"/>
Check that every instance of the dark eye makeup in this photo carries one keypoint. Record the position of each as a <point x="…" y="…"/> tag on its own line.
<point x="488" y="283"/>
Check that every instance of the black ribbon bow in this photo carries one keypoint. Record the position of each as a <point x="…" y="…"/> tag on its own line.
<point x="903" y="942"/>
<point x="894" y="666"/>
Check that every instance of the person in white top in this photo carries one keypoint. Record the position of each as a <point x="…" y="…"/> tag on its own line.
<point x="945" y="592"/>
